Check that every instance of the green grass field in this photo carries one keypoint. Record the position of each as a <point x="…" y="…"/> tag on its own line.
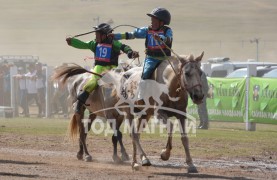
<point x="222" y="140"/>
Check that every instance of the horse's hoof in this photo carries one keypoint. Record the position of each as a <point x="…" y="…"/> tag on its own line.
<point x="192" y="169"/>
<point x="125" y="157"/>
<point x="135" y="166"/>
<point x="88" y="158"/>
<point x="116" y="159"/>
<point x="80" y="156"/>
<point x="164" y="155"/>
<point x="146" y="162"/>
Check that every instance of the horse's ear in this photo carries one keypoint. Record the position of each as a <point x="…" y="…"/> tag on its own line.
<point x="199" y="58"/>
<point x="183" y="59"/>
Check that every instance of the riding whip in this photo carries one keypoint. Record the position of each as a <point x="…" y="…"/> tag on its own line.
<point x="109" y="31"/>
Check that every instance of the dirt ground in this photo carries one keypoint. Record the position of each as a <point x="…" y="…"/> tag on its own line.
<point x="51" y="157"/>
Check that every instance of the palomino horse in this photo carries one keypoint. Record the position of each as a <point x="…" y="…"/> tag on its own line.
<point x="182" y="77"/>
<point x="99" y="100"/>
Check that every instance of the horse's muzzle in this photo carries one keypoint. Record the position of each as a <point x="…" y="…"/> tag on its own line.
<point x="196" y="99"/>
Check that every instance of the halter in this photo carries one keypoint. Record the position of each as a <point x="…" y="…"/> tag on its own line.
<point x="185" y="86"/>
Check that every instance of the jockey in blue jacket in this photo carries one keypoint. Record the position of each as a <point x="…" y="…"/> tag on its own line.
<point x="155" y="33"/>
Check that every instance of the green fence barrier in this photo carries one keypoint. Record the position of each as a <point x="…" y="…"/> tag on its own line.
<point x="263" y="100"/>
<point x="227" y="100"/>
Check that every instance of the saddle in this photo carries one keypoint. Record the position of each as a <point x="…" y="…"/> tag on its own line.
<point x="159" y="72"/>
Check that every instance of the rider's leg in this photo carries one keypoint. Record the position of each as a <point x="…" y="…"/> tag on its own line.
<point x="84" y="94"/>
<point x="90" y="86"/>
<point x="149" y="67"/>
<point x="82" y="97"/>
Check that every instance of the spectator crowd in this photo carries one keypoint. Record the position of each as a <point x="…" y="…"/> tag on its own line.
<point x="30" y="90"/>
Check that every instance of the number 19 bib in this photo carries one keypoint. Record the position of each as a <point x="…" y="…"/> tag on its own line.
<point x="103" y="52"/>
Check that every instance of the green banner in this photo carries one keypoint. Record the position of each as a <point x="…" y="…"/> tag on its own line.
<point x="226" y="100"/>
<point x="263" y="100"/>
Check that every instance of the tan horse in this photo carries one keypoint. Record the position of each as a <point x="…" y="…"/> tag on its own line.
<point x="184" y="80"/>
<point x="99" y="100"/>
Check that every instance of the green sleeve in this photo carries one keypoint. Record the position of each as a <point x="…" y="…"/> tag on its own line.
<point x="117" y="45"/>
<point x="83" y="45"/>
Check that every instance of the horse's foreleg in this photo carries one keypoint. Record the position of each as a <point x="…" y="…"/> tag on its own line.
<point x="137" y="146"/>
<point x="185" y="142"/>
<point x="124" y="155"/>
<point x="134" y="164"/>
<point x="117" y="137"/>
<point x="165" y="154"/>
<point x="116" y="159"/>
<point x="144" y="160"/>
<point x="81" y="150"/>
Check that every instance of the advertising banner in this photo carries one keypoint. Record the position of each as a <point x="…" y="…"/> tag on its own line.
<point x="263" y="100"/>
<point x="226" y="100"/>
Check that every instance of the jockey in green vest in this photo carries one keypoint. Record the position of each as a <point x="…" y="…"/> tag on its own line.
<point x="106" y="51"/>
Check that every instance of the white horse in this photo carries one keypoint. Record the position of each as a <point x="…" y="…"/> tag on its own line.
<point x="127" y="94"/>
<point x="99" y="100"/>
<point x="181" y="81"/>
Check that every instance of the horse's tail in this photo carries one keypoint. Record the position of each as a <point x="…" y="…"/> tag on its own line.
<point x="73" y="128"/>
<point x="65" y="72"/>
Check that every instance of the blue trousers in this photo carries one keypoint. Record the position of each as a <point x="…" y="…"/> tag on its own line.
<point x="149" y="67"/>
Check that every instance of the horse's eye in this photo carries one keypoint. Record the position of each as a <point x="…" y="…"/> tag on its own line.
<point x="187" y="74"/>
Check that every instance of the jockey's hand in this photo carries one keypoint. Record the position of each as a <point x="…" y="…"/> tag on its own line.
<point x="68" y="40"/>
<point x="133" y="54"/>
<point x="157" y="37"/>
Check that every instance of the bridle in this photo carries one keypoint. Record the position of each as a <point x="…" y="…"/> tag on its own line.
<point x="182" y="83"/>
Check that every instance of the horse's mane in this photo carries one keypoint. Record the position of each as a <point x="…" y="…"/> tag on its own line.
<point x="175" y="61"/>
<point x="189" y="57"/>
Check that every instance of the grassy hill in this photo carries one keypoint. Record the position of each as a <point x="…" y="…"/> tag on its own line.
<point x="218" y="27"/>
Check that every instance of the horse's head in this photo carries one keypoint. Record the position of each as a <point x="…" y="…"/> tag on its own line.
<point x="190" y="76"/>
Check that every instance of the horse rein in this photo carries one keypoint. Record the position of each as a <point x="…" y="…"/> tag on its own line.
<point x="166" y="56"/>
<point x="185" y="86"/>
<point x="129" y="64"/>
<point x="177" y="74"/>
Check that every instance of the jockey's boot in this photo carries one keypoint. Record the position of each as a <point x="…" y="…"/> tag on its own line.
<point x="82" y="98"/>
